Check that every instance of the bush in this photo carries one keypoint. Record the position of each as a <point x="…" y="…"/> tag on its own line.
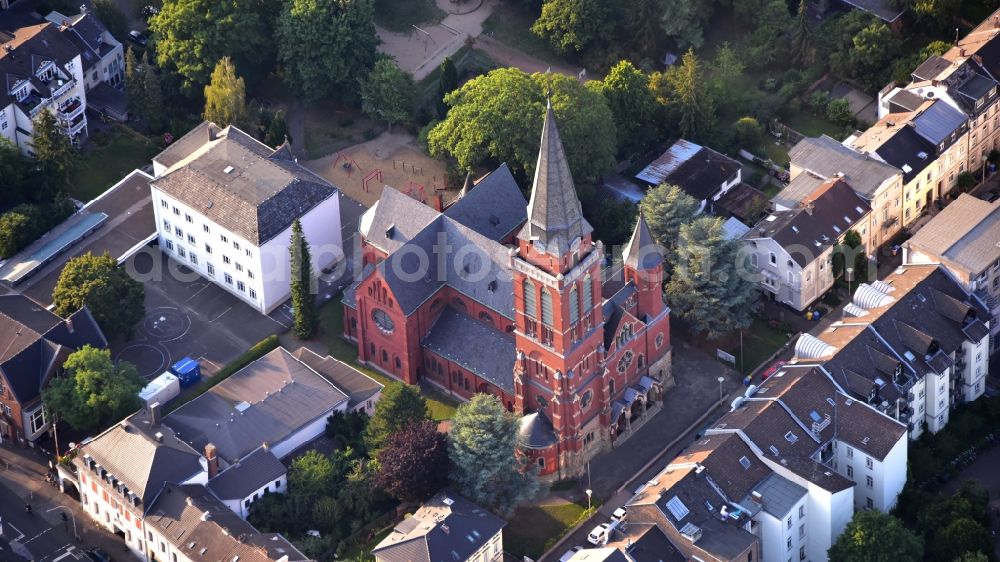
<point x="260" y="349"/>
<point x="965" y="181"/>
<point x="26" y="222"/>
<point x="839" y="111"/>
<point x="769" y="85"/>
<point x="819" y="100"/>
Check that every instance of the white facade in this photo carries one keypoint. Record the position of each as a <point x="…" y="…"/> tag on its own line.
<point x="877" y="482"/>
<point x="785" y="536"/>
<point x="109" y="68"/>
<point x="242" y="507"/>
<point x="783" y="277"/>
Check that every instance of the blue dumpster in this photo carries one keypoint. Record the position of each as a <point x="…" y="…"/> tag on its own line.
<point x="188" y="371"/>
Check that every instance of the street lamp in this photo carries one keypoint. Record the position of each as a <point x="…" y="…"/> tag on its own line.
<point x="849" y="274"/>
<point x="721" y="380"/>
<point x="985" y="160"/>
<point x="589" y="493"/>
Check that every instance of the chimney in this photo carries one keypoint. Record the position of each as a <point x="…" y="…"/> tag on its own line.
<point x="961" y="52"/>
<point x="809" y="208"/>
<point x="155" y="411"/>
<point x="83" y="8"/>
<point x="213" y="461"/>
<point x="265" y="446"/>
<point x="757" y="497"/>
<point x="69" y="325"/>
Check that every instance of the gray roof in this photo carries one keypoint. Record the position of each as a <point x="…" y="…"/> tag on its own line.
<point x="495" y="207"/>
<point x="535" y="431"/>
<point x="642" y="252"/>
<point x="555" y="217"/>
<point x="698" y="170"/>
<point x="266" y="401"/>
<point x="908" y="151"/>
<point x="906" y="100"/>
<point x="253" y="472"/>
<point x="394" y="220"/>
<point x="779" y="495"/>
<point x="203" y="528"/>
<point x="446" y="527"/>
<point x="938" y="122"/>
<point x="827" y="158"/>
<point x="239" y="183"/>
<point x="30" y="46"/>
<point x="885" y="10"/>
<point x="964" y="234"/>
<point x="129" y="451"/>
<point x="605" y="554"/>
<point x="475" y="346"/>
<point x="798" y="189"/>
<point x="358" y="386"/>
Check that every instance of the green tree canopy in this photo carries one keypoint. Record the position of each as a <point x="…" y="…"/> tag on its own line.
<point x="711" y="289"/>
<point x="303" y="299"/>
<point x="388" y="93"/>
<point x="52" y="147"/>
<point x="633" y="106"/>
<point x="94" y="391"/>
<point x="497" y="117"/>
<point x="192" y="35"/>
<point x="573" y="25"/>
<point x="803" y="49"/>
<point x="17" y="229"/>
<point x="399" y="406"/>
<point x="112" y="17"/>
<point x="326" y="46"/>
<point x="414" y="463"/>
<point x="447" y="83"/>
<point x="959" y="536"/>
<point x="749" y="133"/>
<point x="483" y="447"/>
<point x="114" y="299"/>
<point x="226" y="96"/>
<point x="684" y="21"/>
<point x="693" y="99"/>
<point x="872" y="535"/>
<point x="726" y="69"/>
<point x="666" y="209"/>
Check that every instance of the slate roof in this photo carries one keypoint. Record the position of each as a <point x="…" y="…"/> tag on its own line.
<point x="698" y="170"/>
<point x="906" y="100"/>
<point x="604" y="554"/>
<point x="823" y="218"/>
<point x="239" y="183"/>
<point x="475" y="346"/>
<point x="535" y="431"/>
<point x="447" y="527"/>
<point x="29" y="47"/>
<point x="555" y="217"/>
<point x="87" y="32"/>
<point x="252" y="473"/>
<point x="938" y="122"/>
<point x="358" y="386"/>
<point x="203" y="528"/>
<point x="963" y="234"/>
<point x="269" y="400"/>
<point x="930" y="68"/>
<point x="642" y="252"/>
<point x="129" y="451"/>
<point x="826" y="157"/>
<point x="494" y="208"/>
<point x="742" y="202"/>
<point x="649" y="544"/>
<point x="779" y="495"/>
<point x="908" y="151"/>
<point x="394" y="220"/>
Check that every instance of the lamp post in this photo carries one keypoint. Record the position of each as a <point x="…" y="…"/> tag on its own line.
<point x="849" y="274"/>
<point x="589" y="493"/>
<point x="985" y="160"/>
<point x="721" y="380"/>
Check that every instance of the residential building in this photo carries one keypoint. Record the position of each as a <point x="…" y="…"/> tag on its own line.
<point x="886" y="10"/>
<point x="102" y="54"/>
<point x="792" y="251"/>
<point x="42" y="71"/>
<point x="964" y="239"/>
<point x="225" y="203"/>
<point x="817" y="160"/>
<point x="445" y="527"/>
<point x="443" y="300"/>
<point x="36" y="343"/>
<point x="914" y="346"/>
<point x="222" y="449"/>
<point x="766" y="481"/>
<point x="362" y="391"/>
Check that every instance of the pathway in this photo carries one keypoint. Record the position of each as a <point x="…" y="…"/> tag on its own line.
<point x="506" y="55"/>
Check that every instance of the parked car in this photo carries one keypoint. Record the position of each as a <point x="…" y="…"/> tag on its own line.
<point x="137" y="37"/>
<point x="993" y="196"/>
<point x="569" y="553"/>
<point x="600" y="535"/>
<point x="98" y="555"/>
<point x="618" y="515"/>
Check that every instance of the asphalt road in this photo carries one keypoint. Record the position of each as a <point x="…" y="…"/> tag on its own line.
<point x="31" y="536"/>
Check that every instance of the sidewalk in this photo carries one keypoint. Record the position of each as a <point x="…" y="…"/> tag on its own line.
<point x="24" y="470"/>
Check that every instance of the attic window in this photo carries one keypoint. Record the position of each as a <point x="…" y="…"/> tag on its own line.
<point x="790" y="437"/>
<point x="831" y="402"/>
<point x="859" y="210"/>
<point x="228" y="170"/>
<point x="774" y="450"/>
<point x="390" y="231"/>
<point x="795" y="229"/>
<point x="492" y="286"/>
<point x="836" y="229"/>
<point x="847" y="219"/>
<point x="745" y="462"/>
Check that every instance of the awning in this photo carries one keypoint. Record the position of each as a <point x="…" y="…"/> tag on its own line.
<point x="616" y="410"/>
<point x="646" y="383"/>
<point x="630" y="395"/>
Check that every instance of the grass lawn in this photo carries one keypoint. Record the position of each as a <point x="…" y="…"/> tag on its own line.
<point x="811" y="125"/>
<point x="107" y="161"/>
<point x="331" y="321"/>
<point x="759" y="342"/>
<point x="512" y="27"/>
<point x="533" y="530"/>
<point x="776" y="153"/>
<point x="399" y="15"/>
<point x="330" y="127"/>
<point x="362" y="552"/>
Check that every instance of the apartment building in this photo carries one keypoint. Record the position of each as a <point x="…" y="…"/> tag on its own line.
<point x="963" y="239"/>
<point x="820" y="159"/>
<point x="445" y="527"/>
<point x="913" y="346"/>
<point x="42" y="70"/>
<point x="767" y="482"/>
<point x="225" y="203"/>
<point x="103" y="55"/>
<point x="792" y="251"/>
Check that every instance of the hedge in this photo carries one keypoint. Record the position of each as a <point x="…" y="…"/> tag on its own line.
<point x="260" y="349"/>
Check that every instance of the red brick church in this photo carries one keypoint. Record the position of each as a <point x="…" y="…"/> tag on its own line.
<point x="511" y="298"/>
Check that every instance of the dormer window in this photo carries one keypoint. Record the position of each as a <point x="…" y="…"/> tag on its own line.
<point x="21" y="93"/>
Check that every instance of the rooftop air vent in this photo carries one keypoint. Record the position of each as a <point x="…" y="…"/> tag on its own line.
<point x="228" y="170"/>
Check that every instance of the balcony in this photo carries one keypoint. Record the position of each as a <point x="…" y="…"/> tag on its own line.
<point x="60" y="86"/>
<point x="71" y="108"/>
<point x="73" y="126"/>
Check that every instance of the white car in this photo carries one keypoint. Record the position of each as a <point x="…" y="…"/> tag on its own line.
<point x="569" y="553"/>
<point x="618" y="515"/>
<point x="600" y="535"/>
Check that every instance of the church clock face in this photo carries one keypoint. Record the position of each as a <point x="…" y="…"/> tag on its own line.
<point x="625" y="361"/>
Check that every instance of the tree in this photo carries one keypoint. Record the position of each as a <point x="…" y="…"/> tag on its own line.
<point x="152" y="95"/>
<point x="972" y="557"/>
<point x="399" y="406"/>
<point x="935" y="16"/>
<point x="17" y="229"/>
<point x="112" y="18"/>
<point x="573" y="25"/>
<point x="192" y="35"/>
<point x="749" y="133"/>
<point x="414" y="463"/>
<point x="626" y="91"/>
<point x="114" y="299"/>
<point x="666" y="209"/>
<point x="684" y="22"/>
<point x="348" y="429"/>
<point x="770" y="22"/>
<point x="839" y="111"/>
<point x="487" y="467"/>
<point x="52" y="147"/>
<point x="387" y="93"/>
<point x="727" y="67"/>
<point x="447" y="83"/>
<point x="133" y="84"/>
<point x="803" y="51"/>
<point x="277" y="129"/>
<point x="226" y="96"/>
<point x="640" y="26"/>
<point x="711" y="288"/>
<point x="95" y="389"/>
<point x="326" y="46"/>
<point x="497" y="117"/>
<point x="693" y="99"/>
<point x="959" y="536"/>
<point x="303" y="301"/>
<point x="874" y="536"/>
<point x="868" y="58"/>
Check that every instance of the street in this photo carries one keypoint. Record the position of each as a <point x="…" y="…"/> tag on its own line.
<point x="37" y="536"/>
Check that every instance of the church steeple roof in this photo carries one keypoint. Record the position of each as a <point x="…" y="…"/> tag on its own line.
<point x="641" y="251"/>
<point x="555" y="217"/>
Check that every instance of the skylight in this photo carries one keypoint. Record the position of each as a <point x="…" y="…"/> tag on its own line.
<point x="677" y="507"/>
<point x="791" y="437"/>
<point x="745" y="462"/>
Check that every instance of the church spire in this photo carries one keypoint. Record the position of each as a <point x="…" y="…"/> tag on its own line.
<point x="641" y="252"/>
<point x="555" y="217"/>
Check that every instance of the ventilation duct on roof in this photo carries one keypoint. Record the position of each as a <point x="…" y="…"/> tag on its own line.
<point x="869" y="297"/>
<point x="811" y="347"/>
<point x="883" y="286"/>
<point x="854" y="310"/>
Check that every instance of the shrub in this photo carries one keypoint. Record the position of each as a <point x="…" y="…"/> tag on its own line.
<point x="839" y="111"/>
<point x="965" y="181"/>
<point x="819" y="100"/>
